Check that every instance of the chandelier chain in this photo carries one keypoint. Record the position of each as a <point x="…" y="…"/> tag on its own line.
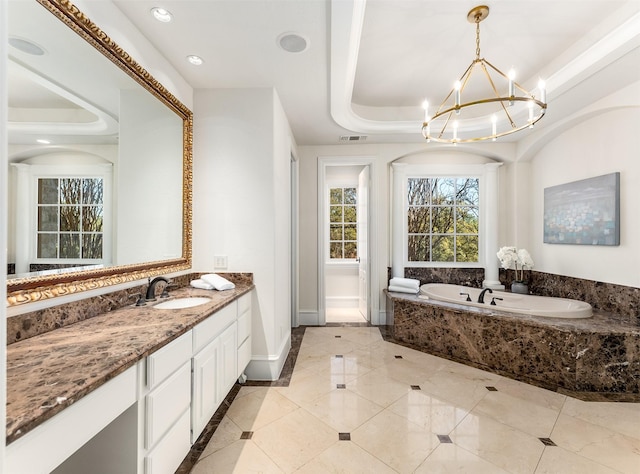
<point x="477" y="37"/>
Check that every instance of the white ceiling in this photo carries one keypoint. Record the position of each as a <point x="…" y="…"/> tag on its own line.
<point x="369" y="65"/>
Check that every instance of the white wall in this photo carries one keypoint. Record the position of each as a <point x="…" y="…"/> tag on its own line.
<point x="607" y="143"/>
<point x="242" y="152"/>
<point x="341" y="285"/>
<point x="4" y="169"/>
<point x="384" y="155"/>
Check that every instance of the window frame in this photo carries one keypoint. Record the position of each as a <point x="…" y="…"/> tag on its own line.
<point x="329" y="205"/>
<point x="62" y="171"/>
<point x="404" y="171"/>
<point x="454" y="206"/>
<point x="84" y="208"/>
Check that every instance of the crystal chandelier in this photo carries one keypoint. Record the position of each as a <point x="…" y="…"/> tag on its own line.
<point x="476" y="110"/>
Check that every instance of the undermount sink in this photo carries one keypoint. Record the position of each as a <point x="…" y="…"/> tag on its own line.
<point x="180" y="303"/>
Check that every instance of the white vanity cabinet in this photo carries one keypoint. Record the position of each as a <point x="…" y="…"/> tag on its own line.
<point x="214" y="359"/>
<point x="144" y="420"/>
<point x="222" y="350"/>
<point x="166" y="406"/>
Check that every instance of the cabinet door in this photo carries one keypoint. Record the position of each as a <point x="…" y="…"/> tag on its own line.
<point x="228" y="362"/>
<point x="205" y="399"/>
<point x="166" y="403"/>
<point x="170" y="451"/>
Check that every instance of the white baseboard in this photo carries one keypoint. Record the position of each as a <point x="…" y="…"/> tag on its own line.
<point x="268" y="367"/>
<point x="308" y="318"/>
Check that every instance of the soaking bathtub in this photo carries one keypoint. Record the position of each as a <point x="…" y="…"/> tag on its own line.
<point x="505" y="301"/>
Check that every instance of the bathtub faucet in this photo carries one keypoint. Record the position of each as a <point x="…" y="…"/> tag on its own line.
<point x="481" y="297"/>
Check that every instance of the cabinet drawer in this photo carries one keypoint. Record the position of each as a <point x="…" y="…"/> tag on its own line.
<point x="167" y="456"/>
<point x="165" y="404"/>
<point x="244" y="327"/>
<point x="244" y="303"/>
<point x="165" y="361"/>
<point x="211" y="327"/>
<point x="244" y="355"/>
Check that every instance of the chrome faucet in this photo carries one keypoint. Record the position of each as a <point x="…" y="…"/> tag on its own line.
<point x="151" y="290"/>
<point x="481" y="297"/>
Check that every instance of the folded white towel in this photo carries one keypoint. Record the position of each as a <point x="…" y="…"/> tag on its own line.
<point x="405" y="282"/>
<point x="403" y="289"/>
<point x="201" y="284"/>
<point x="218" y="282"/>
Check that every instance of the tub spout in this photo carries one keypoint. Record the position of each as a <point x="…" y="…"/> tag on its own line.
<point x="481" y="297"/>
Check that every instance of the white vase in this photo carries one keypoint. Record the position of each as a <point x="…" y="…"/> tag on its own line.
<point x="520" y="287"/>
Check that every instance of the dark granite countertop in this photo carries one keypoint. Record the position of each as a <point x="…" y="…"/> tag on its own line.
<point x="50" y="372"/>
<point x="600" y="322"/>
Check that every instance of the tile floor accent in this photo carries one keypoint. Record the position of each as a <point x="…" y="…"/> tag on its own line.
<point x="455" y="423"/>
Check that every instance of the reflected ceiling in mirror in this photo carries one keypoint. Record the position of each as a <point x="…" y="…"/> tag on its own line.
<point x="105" y="118"/>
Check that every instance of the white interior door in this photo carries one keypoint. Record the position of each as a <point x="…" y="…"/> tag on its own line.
<point x="363" y="237"/>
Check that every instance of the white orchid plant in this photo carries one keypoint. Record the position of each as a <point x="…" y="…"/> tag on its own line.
<point x="511" y="257"/>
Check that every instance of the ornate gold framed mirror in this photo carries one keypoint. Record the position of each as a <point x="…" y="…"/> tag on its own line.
<point x="144" y="204"/>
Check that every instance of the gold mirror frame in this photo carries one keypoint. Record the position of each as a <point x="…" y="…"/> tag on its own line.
<point x="31" y="289"/>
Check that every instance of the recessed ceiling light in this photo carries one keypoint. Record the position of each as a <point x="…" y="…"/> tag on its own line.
<point x="161" y="14"/>
<point x="292" y="42"/>
<point x="195" y="60"/>
<point x="26" y="46"/>
<point x="42" y="141"/>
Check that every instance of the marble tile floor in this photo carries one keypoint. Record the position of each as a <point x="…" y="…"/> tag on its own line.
<point x="344" y="315"/>
<point x="355" y="403"/>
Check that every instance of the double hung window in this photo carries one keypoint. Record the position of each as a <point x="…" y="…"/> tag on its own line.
<point x="442" y="218"/>
<point x="343" y="230"/>
<point x="70" y="218"/>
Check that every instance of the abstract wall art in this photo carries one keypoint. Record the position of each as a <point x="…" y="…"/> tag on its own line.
<point x="585" y="212"/>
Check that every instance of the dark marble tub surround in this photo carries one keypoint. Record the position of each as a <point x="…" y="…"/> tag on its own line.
<point x="607" y="297"/>
<point x="594" y="358"/>
<point x="457" y="276"/>
<point x="51" y="371"/>
<point x="31" y="324"/>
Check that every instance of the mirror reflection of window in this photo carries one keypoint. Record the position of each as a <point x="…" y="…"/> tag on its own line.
<point x="70" y="218"/>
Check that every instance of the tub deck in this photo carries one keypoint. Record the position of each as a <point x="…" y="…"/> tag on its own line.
<point x="592" y="359"/>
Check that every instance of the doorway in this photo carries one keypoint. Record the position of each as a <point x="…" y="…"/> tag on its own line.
<point x="344" y="236"/>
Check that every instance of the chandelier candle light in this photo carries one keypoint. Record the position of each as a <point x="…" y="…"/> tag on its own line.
<point x="483" y="103"/>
